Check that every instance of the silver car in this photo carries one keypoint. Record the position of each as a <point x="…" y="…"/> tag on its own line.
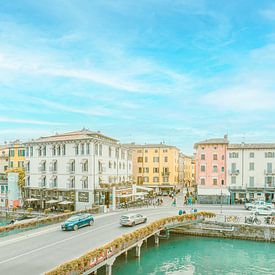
<point x="132" y="219"/>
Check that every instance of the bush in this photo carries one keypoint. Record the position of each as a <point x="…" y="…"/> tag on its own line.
<point x="47" y="211"/>
<point x="29" y="209"/>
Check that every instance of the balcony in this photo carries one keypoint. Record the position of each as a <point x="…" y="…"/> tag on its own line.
<point x="233" y="172"/>
<point x="269" y="172"/>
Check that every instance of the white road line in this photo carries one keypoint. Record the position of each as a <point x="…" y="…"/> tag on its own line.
<point x="62" y="241"/>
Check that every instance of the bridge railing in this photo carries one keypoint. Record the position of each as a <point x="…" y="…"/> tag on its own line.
<point x="98" y="255"/>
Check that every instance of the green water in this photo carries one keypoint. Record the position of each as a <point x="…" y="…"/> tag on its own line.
<point x="3" y="221"/>
<point x="193" y="255"/>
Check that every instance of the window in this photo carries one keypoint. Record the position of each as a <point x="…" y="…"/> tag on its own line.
<point x="54" y="166"/>
<point x="251" y="155"/>
<point x="44" y="182"/>
<point x="11" y="152"/>
<point x="58" y="150"/>
<point x="140" y="169"/>
<point x="233" y="155"/>
<point x="155" y="170"/>
<point x="165" y="151"/>
<point x="27" y="151"/>
<point x="146" y="169"/>
<point x="44" y="151"/>
<point x="156" y="150"/>
<point x="222" y="182"/>
<point x="28" y="181"/>
<point x="215" y="157"/>
<point x="31" y="151"/>
<point x="165" y="159"/>
<point x="11" y="164"/>
<point x="114" y="165"/>
<point x="85" y="183"/>
<point x="251" y="181"/>
<point x="223" y="169"/>
<point x="269" y="154"/>
<point x="233" y="180"/>
<point x="215" y="181"/>
<point x="269" y="167"/>
<point x="155" y="159"/>
<point x="139" y="151"/>
<point x="202" y="181"/>
<point x="88" y="148"/>
<point x="100" y="149"/>
<point x="117" y="152"/>
<point x="146" y="151"/>
<point x="110" y="152"/>
<point x="233" y="167"/>
<point x="166" y="179"/>
<point x="54" y="151"/>
<point x="202" y="168"/>
<point x="146" y="179"/>
<point x="96" y="149"/>
<point x="110" y="164"/>
<point x="222" y="157"/>
<point x="140" y="159"/>
<point x="64" y="149"/>
<point x="202" y="156"/>
<point x="251" y="166"/>
<point x="28" y="166"/>
<point x="21" y="152"/>
<point x="54" y="182"/>
<point x="85" y="165"/>
<point x="82" y="149"/>
<point x="145" y="159"/>
<point x="215" y="168"/>
<point x="39" y="151"/>
<point x="268" y="181"/>
<point x="155" y="179"/>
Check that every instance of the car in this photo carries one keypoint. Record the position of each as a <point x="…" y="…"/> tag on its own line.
<point x="77" y="221"/>
<point x="165" y="193"/>
<point x="263" y="210"/>
<point x="250" y="205"/>
<point x="132" y="219"/>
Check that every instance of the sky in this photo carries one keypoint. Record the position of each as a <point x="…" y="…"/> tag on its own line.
<point x="144" y="71"/>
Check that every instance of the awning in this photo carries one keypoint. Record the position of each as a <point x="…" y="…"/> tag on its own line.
<point x="66" y="202"/>
<point x="144" y="188"/>
<point x="51" y="201"/>
<point x="32" y="199"/>
<point x="213" y="192"/>
<point x="132" y="195"/>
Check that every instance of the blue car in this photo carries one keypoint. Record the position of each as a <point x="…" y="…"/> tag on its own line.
<point x="77" y="221"/>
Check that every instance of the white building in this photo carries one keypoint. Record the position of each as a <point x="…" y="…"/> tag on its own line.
<point x="68" y="169"/>
<point x="251" y="171"/>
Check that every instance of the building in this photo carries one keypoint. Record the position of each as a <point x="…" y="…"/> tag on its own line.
<point x="4" y="158"/>
<point x="187" y="172"/>
<point x="16" y="154"/>
<point x="3" y="190"/>
<point x="251" y="171"/>
<point x="156" y="165"/>
<point x="193" y="163"/>
<point x="181" y="171"/>
<point x="72" y="169"/>
<point x="210" y="159"/>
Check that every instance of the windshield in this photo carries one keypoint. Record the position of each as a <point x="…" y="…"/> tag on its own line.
<point x="73" y="219"/>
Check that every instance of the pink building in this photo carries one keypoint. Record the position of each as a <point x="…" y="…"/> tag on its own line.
<point x="211" y="170"/>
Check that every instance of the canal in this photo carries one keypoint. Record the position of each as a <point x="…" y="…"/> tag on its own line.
<point x="196" y="255"/>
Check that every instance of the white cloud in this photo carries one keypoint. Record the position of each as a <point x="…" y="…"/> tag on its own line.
<point x="27" y="121"/>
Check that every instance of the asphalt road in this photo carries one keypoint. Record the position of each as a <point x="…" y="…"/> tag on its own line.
<point x="40" y="250"/>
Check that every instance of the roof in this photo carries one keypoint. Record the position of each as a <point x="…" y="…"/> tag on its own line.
<point x="160" y="145"/>
<point x="212" y="191"/>
<point x="223" y="140"/>
<point x="76" y="135"/>
<point x="252" y="146"/>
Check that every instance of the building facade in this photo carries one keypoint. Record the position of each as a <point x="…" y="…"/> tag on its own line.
<point x="187" y="171"/>
<point x="251" y="172"/>
<point x="155" y="165"/>
<point x="68" y="169"/>
<point x="210" y="159"/>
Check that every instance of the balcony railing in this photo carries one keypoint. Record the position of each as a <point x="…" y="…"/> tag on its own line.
<point x="233" y="172"/>
<point x="269" y="172"/>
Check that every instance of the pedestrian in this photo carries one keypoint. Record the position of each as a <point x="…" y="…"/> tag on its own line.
<point x="174" y="202"/>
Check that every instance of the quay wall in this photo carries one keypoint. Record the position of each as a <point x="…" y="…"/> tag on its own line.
<point x="228" y="230"/>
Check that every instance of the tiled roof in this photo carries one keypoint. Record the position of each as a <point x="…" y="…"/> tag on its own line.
<point x="212" y="141"/>
<point x="252" y="146"/>
<point x="76" y="135"/>
<point x="160" y="145"/>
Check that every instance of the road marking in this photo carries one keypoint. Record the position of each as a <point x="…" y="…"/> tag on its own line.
<point x="64" y="240"/>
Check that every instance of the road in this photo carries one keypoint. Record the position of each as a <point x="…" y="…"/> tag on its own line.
<point x="40" y="250"/>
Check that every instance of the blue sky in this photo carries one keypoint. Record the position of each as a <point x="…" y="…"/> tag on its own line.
<point x="143" y="71"/>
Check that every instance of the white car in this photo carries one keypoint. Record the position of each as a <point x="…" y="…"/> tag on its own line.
<point x="250" y="205"/>
<point x="263" y="210"/>
<point x="132" y="219"/>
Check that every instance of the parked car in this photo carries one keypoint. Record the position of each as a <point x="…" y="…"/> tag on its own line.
<point x="263" y="210"/>
<point x="132" y="219"/>
<point x="250" y="205"/>
<point x="77" y="221"/>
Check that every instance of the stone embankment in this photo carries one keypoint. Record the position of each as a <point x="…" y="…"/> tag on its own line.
<point x="229" y="230"/>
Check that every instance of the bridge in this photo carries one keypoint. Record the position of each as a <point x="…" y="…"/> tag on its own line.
<point x="106" y="255"/>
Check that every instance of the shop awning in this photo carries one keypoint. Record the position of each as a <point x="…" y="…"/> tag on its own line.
<point x="213" y="192"/>
<point x="51" y="201"/>
<point x="32" y="199"/>
<point x="66" y="202"/>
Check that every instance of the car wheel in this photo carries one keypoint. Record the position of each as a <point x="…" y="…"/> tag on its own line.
<point x="75" y="227"/>
<point x="257" y="213"/>
<point x="91" y="222"/>
<point x="249" y="208"/>
<point x="133" y="224"/>
<point x="145" y="220"/>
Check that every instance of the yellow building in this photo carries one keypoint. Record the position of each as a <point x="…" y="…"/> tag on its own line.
<point x="16" y="155"/>
<point x="187" y="171"/>
<point x="155" y="165"/>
